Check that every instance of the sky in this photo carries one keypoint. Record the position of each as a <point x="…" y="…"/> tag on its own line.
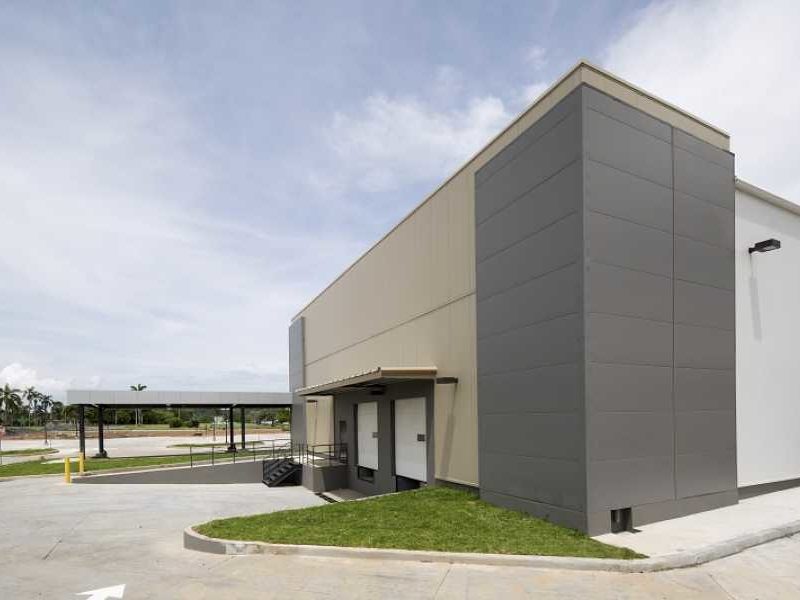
<point x="178" y="179"/>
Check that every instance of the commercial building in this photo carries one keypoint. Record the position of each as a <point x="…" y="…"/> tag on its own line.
<point x="564" y="322"/>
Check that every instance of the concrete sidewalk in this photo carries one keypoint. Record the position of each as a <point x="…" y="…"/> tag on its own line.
<point x="701" y="530"/>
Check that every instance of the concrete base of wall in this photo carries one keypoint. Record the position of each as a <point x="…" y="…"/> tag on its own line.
<point x="245" y="472"/>
<point x="568" y="518"/>
<point x="600" y="522"/>
<point x="749" y="491"/>
<point x="324" y="479"/>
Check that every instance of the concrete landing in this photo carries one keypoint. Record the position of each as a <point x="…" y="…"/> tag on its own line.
<point x="344" y="495"/>
<point x="715" y="526"/>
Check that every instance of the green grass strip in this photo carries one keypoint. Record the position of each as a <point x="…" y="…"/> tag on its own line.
<point x="436" y="518"/>
<point x="28" y="451"/>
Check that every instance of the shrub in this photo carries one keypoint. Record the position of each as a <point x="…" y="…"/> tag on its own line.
<point x="175" y="422"/>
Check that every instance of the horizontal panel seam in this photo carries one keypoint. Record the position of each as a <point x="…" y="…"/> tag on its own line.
<point x="703" y="326"/>
<point x="530" y="325"/>
<point x="693" y="153"/>
<point x="627" y="268"/>
<point x="526" y="369"/>
<point x="684" y="366"/>
<point x="626" y="172"/>
<point x="626" y="220"/>
<point x="535" y="457"/>
<point x="527" y="236"/>
<point x="633" y="459"/>
<point x="629" y="364"/>
<point x="526" y="325"/>
<point x="732" y="250"/>
<point x="527" y="281"/>
<point x="719" y="454"/>
<point x="522" y="195"/>
<point x="594" y="411"/>
<point x="707" y="202"/>
<point x="709" y="285"/>
<point x="629" y="125"/>
<point x="727" y="168"/>
<point x="521" y="283"/>
<point x="577" y="511"/>
<point x="715" y="369"/>
<point x="393" y="327"/>
<point x="707" y="410"/>
<point x="637" y="318"/>
<point x="572" y="111"/>
<point x="506" y="413"/>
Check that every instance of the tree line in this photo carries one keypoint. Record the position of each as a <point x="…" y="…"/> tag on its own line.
<point x="29" y="406"/>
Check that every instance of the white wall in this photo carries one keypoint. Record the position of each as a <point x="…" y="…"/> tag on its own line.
<point x="768" y="342"/>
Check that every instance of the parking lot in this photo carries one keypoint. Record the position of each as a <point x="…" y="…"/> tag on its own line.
<point x="58" y="540"/>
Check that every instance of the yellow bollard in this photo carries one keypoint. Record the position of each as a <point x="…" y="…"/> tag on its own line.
<point x="67" y="471"/>
<point x="81" y="461"/>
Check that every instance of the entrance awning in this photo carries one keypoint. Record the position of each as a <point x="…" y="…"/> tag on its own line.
<point x="370" y="379"/>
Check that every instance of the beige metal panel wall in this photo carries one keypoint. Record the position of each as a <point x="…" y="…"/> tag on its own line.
<point x="446" y="338"/>
<point x="427" y="262"/>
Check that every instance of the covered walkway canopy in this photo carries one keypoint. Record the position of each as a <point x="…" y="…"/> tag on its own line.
<point x="168" y="399"/>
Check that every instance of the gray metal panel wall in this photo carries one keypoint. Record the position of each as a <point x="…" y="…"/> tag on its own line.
<point x="605" y="318"/>
<point x="660" y="424"/>
<point x="705" y="319"/>
<point x="530" y="320"/>
<point x="297" y="378"/>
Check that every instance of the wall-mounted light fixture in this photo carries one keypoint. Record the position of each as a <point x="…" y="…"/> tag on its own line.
<point x="765" y="246"/>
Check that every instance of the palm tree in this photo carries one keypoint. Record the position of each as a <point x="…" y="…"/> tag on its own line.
<point x="138" y="411"/>
<point x="43" y="407"/>
<point x="30" y="394"/>
<point x="58" y="410"/>
<point x="10" y="400"/>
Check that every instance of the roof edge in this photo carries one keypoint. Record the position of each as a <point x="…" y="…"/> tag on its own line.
<point x="576" y="68"/>
<point x="763" y="194"/>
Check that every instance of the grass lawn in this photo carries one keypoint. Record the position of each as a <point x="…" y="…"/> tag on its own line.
<point x="436" y="518"/>
<point x="28" y="451"/>
<point x="104" y="464"/>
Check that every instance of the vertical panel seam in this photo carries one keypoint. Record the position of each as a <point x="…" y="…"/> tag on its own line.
<point x="674" y="372"/>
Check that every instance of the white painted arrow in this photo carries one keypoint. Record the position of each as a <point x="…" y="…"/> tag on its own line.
<point x="115" y="591"/>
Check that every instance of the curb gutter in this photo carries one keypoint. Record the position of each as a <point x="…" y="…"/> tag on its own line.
<point x="677" y="560"/>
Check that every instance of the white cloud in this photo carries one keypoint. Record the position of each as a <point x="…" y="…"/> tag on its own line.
<point x="529" y="93"/>
<point x="732" y="63"/>
<point x="111" y="263"/>
<point x="21" y="377"/>
<point x="536" y="56"/>
<point x="406" y="140"/>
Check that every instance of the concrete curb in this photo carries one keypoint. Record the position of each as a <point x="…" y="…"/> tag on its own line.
<point x="678" y="560"/>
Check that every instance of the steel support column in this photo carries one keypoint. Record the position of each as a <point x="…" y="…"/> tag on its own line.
<point x="231" y="442"/>
<point x="82" y="429"/>
<point x="101" y="450"/>
<point x="241" y="412"/>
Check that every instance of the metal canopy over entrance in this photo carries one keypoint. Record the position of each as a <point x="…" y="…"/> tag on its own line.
<point x="102" y="399"/>
<point x="376" y="378"/>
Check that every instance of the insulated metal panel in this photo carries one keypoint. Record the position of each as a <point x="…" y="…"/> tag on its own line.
<point x="659" y="328"/>
<point x="529" y="322"/>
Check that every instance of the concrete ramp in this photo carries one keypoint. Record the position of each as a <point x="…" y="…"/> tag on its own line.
<point x="244" y="472"/>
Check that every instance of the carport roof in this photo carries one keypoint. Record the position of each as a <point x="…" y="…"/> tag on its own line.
<point x="166" y="398"/>
<point x="376" y="377"/>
